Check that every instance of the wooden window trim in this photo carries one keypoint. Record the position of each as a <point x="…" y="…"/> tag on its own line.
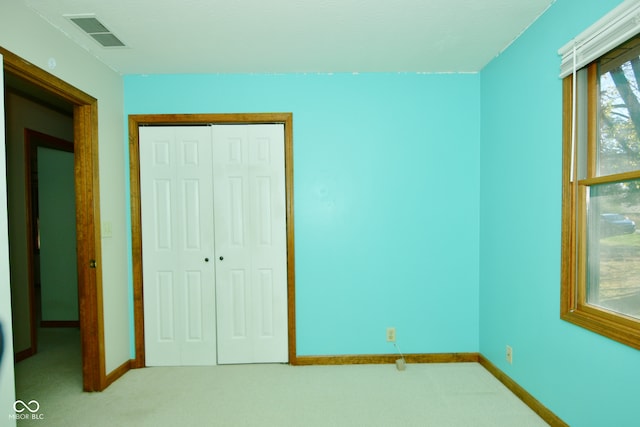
<point x="573" y="305"/>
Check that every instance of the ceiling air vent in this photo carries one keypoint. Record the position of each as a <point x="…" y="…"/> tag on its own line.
<point x="96" y="29"/>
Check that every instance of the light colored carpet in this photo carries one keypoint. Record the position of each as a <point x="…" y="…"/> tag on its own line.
<point x="461" y="394"/>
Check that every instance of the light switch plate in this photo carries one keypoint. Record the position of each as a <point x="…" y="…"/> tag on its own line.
<point x="107" y="230"/>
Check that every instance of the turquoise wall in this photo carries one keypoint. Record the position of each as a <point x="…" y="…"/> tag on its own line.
<point x="386" y="193"/>
<point x="429" y="202"/>
<point x="586" y="379"/>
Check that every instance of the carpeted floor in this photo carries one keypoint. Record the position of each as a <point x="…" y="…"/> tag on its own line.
<point x="463" y="394"/>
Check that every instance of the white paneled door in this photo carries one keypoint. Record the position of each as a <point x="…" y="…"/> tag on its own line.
<point x="250" y="241"/>
<point x="177" y="238"/>
<point x="214" y="244"/>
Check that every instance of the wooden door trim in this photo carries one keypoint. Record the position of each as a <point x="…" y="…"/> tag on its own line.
<point x="137" y="120"/>
<point x="85" y="129"/>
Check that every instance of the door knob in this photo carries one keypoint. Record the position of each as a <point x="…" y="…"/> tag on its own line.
<point x="206" y="260"/>
<point x="221" y="258"/>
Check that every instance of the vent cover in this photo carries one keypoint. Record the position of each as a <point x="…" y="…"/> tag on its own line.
<point x="96" y="29"/>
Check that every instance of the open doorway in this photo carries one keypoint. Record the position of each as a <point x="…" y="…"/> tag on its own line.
<point x="51" y="229"/>
<point x="25" y="111"/>
<point x="85" y="122"/>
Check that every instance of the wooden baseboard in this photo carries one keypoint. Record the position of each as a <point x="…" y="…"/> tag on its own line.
<point x="535" y="405"/>
<point x="360" y="359"/>
<point x="23" y="354"/>
<point x="118" y="372"/>
<point x="137" y="363"/>
<point x="59" y="323"/>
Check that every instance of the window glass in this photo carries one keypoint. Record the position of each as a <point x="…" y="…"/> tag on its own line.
<point x="619" y="110"/>
<point x="613" y="247"/>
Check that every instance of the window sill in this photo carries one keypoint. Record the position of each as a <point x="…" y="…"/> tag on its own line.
<point x="617" y="327"/>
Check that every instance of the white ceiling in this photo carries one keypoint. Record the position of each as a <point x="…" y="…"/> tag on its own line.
<point x="285" y="36"/>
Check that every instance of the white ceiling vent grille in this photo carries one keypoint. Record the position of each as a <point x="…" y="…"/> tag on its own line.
<point x="96" y="29"/>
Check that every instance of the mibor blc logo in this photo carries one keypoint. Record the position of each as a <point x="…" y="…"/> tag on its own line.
<point x="26" y="411"/>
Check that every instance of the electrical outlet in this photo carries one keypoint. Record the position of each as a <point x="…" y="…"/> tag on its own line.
<point x="509" y="355"/>
<point x="391" y="334"/>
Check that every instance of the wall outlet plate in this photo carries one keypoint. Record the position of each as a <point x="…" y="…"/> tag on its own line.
<point x="391" y="334"/>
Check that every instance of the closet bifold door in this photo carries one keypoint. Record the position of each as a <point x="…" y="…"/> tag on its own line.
<point x="177" y="245"/>
<point x="214" y="244"/>
<point x="250" y="241"/>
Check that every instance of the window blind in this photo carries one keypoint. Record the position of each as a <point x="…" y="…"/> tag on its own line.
<point x="611" y="30"/>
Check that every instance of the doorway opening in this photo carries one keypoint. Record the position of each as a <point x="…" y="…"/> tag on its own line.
<point x="85" y="135"/>
<point x="135" y="121"/>
<point x="51" y="230"/>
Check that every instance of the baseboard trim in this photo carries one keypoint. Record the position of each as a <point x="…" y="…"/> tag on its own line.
<point x="361" y="359"/>
<point x="59" y="323"/>
<point x="118" y="372"/>
<point x="23" y="354"/>
<point x="533" y="403"/>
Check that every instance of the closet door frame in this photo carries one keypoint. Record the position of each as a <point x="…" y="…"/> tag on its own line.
<point x="137" y="120"/>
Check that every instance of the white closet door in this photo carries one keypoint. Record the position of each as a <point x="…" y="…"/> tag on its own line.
<point x="177" y="239"/>
<point x="250" y="241"/>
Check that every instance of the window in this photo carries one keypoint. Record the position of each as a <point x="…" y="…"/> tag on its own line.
<point x="601" y="191"/>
